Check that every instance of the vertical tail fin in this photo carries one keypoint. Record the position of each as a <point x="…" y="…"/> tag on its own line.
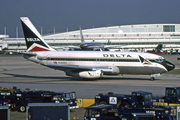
<point x="34" y="41"/>
<point x="82" y="38"/>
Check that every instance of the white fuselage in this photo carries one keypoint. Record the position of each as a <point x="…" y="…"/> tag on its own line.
<point x="116" y="62"/>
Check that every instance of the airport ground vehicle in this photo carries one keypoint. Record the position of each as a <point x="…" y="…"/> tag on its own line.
<point x="22" y="99"/>
<point x="158" y="113"/>
<point x="48" y="111"/>
<point x="138" y="99"/>
<point x="106" y="112"/>
<point x="18" y="99"/>
<point x="4" y="113"/>
<point x="101" y="112"/>
<point x="137" y="104"/>
<point x="6" y="95"/>
<point x="61" y="97"/>
<point x="172" y="95"/>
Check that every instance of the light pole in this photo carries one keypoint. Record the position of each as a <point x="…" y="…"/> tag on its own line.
<point x="16" y="32"/>
<point x="42" y="30"/>
<point x="54" y="29"/>
<point x="5" y="32"/>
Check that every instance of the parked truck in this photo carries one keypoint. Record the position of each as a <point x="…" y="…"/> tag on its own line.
<point x="139" y="102"/>
<point x="137" y="99"/>
<point x="101" y="112"/>
<point x="172" y="95"/>
<point x="6" y="95"/>
<point x="155" y="113"/>
<point x="107" y="112"/>
<point x="62" y="97"/>
<point x="18" y="99"/>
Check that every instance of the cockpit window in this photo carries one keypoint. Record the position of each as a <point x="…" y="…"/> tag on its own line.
<point x="160" y="59"/>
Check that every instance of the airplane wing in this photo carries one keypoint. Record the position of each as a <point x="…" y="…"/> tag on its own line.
<point x="78" y="68"/>
<point x="72" y="48"/>
<point x="114" y="46"/>
<point x="28" y="53"/>
<point x="24" y="53"/>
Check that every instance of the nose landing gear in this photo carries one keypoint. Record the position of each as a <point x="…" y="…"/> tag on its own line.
<point x="152" y="76"/>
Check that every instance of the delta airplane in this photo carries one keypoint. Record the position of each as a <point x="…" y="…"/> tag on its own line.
<point x="90" y="64"/>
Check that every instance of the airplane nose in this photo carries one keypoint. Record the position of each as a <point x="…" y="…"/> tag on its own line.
<point x="169" y="66"/>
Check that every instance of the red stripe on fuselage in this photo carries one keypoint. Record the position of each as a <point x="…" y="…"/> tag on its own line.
<point x="37" y="49"/>
<point x="147" y="63"/>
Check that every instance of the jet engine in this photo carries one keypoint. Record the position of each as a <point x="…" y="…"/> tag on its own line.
<point x="85" y="74"/>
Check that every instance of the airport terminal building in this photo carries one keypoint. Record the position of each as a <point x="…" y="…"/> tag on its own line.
<point x="126" y="37"/>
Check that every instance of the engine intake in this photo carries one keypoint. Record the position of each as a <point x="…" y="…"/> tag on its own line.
<point x="85" y="74"/>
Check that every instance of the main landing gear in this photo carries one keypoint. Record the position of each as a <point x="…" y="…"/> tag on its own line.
<point x="152" y="78"/>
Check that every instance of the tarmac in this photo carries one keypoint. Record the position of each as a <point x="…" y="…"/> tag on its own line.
<point x="17" y="71"/>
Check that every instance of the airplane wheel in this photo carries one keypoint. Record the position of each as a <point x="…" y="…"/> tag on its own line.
<point x="152" y="78"/>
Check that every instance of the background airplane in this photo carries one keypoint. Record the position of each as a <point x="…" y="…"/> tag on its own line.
<point x="90" y="46"/>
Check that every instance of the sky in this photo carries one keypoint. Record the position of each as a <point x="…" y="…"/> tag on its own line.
<point x="63" y="14"/>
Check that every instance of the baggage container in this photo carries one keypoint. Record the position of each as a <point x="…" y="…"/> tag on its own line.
<point x="48" y="111"/>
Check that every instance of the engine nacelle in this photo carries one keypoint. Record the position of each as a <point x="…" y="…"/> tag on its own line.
<point x="85" y="74"/>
